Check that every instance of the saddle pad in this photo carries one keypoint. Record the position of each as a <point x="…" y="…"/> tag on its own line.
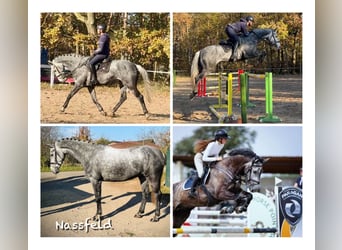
<point x="188" y="182"/>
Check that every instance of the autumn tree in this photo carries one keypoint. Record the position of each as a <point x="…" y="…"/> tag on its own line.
<point x="143" y="38"/>
<point x="194" y="31"/>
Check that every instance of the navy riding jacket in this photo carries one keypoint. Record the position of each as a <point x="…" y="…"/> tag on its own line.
<point x="103" y="45"/>
<point x="240" y="27"/>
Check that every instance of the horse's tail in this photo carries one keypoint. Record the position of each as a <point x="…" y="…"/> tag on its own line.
<point x="147" y="82"/>
<point x="194" y="69"/>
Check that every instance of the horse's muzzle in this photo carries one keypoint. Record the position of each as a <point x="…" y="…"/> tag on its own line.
<point x="54" y="169"/>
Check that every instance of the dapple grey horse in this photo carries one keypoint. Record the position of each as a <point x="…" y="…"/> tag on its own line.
<point x="105" y="163"/>
<point x="206" y="59"/>
<point x="126" y="72"/>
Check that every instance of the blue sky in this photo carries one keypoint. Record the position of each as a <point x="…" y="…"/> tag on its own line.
<point x="270" y="140"/>
<point x="114" y="133"/>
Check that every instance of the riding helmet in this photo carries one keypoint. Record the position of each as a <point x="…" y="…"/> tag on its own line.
<point x="221" y="133"/>
<point x="249" y="18"/>
<point x="101" y="27"/>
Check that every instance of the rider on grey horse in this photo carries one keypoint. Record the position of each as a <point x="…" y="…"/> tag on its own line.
<point x="101" y="53"/>
<point x="234" y="29"/>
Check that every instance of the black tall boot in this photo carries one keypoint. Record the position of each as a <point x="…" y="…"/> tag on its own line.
<point x="192" y="192"/>
<point x="233" y="57"/>
<point x="93" y="76"/>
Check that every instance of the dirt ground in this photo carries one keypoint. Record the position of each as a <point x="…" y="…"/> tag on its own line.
<point x="287" y="101"/>
<point x="81" y="108"/>
<point x="67" y="200"/>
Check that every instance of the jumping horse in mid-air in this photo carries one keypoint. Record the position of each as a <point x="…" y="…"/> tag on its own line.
<point x="206" y="59"/>
<point x="126" y="72"/>
<point x="105" y="163"/>
<point x="222" y="186"/>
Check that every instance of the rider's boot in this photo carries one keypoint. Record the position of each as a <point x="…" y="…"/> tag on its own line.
<point x="192" y="192"/>
<point x="93" y="75"/>
<point x="234" y="52"/>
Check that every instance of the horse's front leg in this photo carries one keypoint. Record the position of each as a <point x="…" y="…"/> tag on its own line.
<point x="92" y="92"/>
<point x="70" y="95"/>
<point x="97" y="191"/>
<point x="243" y="201"/>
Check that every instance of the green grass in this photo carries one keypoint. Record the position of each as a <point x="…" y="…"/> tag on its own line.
<point x="64" y="168"/>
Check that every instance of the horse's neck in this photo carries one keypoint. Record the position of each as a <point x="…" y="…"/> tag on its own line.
<point x="74" y="61"/>
<point x="261" y="33"/>
<point x="79" y="150"/>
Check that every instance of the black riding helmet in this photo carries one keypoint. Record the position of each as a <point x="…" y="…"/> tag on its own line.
<point x="221" y="133"/>
<point x="249" y="18"/>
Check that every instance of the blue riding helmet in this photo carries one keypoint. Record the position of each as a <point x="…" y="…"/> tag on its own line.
<point x="221" y="133"/>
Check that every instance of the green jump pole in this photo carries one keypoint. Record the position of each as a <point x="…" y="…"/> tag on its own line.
<point x="269" y="117"/>
<point x="243" y="95"/>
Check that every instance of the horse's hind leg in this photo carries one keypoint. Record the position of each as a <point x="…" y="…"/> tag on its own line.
<point x="123" y="97"/>
<point x="144" y="196"/>
<point x="140" y="97"/>
<point x="92" y="92"/>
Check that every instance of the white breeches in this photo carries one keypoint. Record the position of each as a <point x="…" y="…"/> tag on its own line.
<point x="199" y="164"/>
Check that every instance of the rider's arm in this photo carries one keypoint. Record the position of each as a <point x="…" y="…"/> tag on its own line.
<point x="101" y="45"/>
<point x="211" y="153"/>
<point x="244" y="29"/>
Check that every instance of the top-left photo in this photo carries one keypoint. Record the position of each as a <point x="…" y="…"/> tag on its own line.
<point x="105" y="68"/>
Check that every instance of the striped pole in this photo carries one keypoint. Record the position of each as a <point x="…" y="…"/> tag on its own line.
<point x="214" y="230"/>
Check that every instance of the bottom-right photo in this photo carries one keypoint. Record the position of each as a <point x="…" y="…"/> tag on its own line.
<point x="237" y="181"/>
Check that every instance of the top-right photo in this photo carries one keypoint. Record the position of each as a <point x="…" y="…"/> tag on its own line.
<point x="237" y="68"/>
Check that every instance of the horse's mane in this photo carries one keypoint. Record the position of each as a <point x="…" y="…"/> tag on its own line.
<point x="69" y="57"/>
<point x="242" y="151"/>
<point x="76" y="139"/>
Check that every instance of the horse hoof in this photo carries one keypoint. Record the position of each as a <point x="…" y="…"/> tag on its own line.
<point x="97" y="218"/>
<point x="138" y="215"/>
<point x="103" y="113"/>
<point x="227" y="210"/>
<point x="154" y="219"/>
<point x="147" y="116"/>
<point x="192" y="95"/>
<point x="62" y="110"/>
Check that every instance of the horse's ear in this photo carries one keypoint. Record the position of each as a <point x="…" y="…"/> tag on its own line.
<point x="50" y="145"/>
<point x="49" y="62"/>
<point x="266" y="159"/>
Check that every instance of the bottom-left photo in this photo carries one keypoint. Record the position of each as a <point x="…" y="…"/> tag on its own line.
<point x="111" y="181"/>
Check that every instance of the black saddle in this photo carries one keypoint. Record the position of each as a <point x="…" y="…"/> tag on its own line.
<point x="104" y="66"/>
